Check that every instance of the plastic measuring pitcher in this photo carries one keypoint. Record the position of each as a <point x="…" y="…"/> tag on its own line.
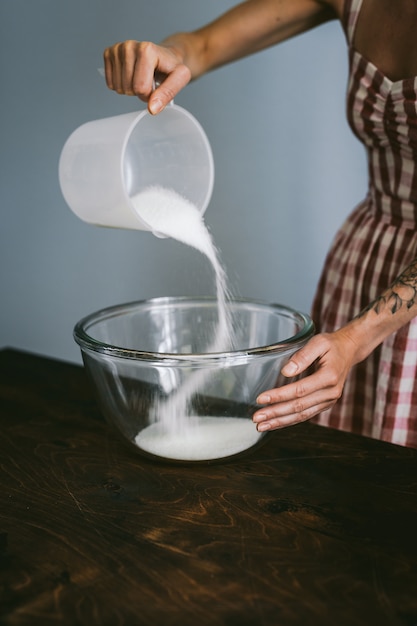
<point x="107" y="162"/>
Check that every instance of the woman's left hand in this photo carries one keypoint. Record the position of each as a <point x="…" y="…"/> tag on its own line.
<point x="332" y="354"/>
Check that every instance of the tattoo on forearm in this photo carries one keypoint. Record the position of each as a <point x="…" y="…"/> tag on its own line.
<point x="407" y="284"/>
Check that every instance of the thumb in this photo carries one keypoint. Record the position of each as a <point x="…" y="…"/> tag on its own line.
<point x="301" y="360"/>
<point x="168" y="88"/>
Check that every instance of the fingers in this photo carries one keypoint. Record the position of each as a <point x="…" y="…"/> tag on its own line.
<point x="296" y="402"/>
<point x="130" y="69"/>
<point x="305" y="398"/>
<point x="279" y="416"/>
<point x="265" y="422"/>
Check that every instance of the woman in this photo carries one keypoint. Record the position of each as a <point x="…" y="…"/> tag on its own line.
<point x="365" y="352"/>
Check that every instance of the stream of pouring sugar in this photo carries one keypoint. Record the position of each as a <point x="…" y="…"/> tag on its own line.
<point x="175" y="432"/>
<point x="171" y="215"/>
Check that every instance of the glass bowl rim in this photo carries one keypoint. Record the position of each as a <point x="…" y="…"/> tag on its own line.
<point x="88" y="343"/>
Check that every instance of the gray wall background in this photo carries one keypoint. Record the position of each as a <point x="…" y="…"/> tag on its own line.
<point x="288" y="169"/>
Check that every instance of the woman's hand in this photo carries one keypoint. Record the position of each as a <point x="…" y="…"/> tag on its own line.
<point x="251" y="26"/>
<point x="332" y="354"/>
<point x="131" y="66"/>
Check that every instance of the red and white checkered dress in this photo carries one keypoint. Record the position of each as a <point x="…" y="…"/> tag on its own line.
<point x="375" y="244"/>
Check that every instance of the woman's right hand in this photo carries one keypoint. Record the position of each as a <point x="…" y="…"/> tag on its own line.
<point x="132" y="66"/>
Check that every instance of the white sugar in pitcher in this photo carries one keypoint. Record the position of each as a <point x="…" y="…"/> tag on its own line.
<point x="104" y="163"/>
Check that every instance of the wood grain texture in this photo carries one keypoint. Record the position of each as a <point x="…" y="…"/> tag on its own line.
<point x="315" y="527"/>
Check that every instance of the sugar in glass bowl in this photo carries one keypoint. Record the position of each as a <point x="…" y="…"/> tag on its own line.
<point x="144" y="357"/>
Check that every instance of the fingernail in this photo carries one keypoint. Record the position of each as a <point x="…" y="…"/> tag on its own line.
<point x="290" y="369"/>
<point x="263" y="426"/>
<point x="155" y="106"/>
<point x="263" y="399"/>
<point x="259" y="417"/>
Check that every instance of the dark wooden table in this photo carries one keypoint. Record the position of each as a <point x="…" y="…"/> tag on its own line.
<point x="316" y="527"/>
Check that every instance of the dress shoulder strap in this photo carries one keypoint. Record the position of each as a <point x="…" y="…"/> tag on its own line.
<point x="351" y="12"/>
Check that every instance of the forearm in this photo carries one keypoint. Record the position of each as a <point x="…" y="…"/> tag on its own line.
<point x="334" y="354"/>
<point x="391" y="310"/>
<point x="131" y="66"/>
<point x="247" y="28"/>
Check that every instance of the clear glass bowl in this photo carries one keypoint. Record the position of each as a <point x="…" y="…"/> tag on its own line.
<point x="168" y="397"/>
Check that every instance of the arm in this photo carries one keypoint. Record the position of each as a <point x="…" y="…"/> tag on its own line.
<point x="335" y="353"/>
<point x="249" y="27"/>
